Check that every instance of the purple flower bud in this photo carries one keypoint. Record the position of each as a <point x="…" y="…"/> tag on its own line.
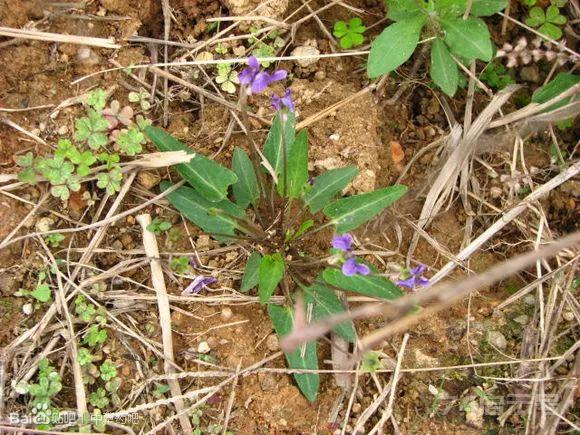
<point x="416" y="279"/>
<point x="286" y="101"/>
<point x="258" y="80"/>
<point x="351" y="268"/>
<point x="344" y="242"/>
<point x="197" y="284"/>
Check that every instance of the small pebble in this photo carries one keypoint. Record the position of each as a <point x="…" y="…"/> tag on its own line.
<point x="227" y="313"/>
<point x="86" y="56"/>
<point x="203" y="347"/>
<point x="497" y="339"/>
<point x="320" y="75"/>
<point x="568" y="316"/>
<point x="272" y="343"/>
<point x="356" y="408"/>
<point x="62" y="130"/>
<point x="44" y="224"/>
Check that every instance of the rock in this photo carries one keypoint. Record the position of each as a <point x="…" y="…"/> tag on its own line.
<point x="203" y="347"/>
<point x="497" y="339"/>
<point x="522" y="320"/>
<point x="568" y="316"/>
<point x="474" y="414"/>
<point x="530" y="74"/>
<point x="63" y="130"/>
<point x="272" y="8"/>
<point x="272" y="343"/>
<point x="356" y="408"/>
<point x="87" y="57"/>
<point x="267" y="381"/>
<point x="44" y="224"/>
<point x="320" y="75"/>
<point x="127" y="241"/>
<point x="202" y="243"/>
<point x="148" y="179"/>
<point x="227" y="313"/>
<point x="365" y="181"/>
<point x="423" y="360"/>
<point x="307" y="51"/>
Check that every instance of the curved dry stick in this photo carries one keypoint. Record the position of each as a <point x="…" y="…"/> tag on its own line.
<point x="442" y="295"/>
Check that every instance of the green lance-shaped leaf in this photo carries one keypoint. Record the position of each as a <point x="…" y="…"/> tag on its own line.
<point x="561" y="83"/>
<point x="443" y="69"/>
<point x="273" y="147"/>
<point x="297" y="164"/>
<point x="217" y="218"/>
<point x="486" y="8"/>
<point x="450" y="8"/>
<point x="209" y="178"/>
<point x="246" y="188"/>
<point x="327" y="186"/>
<point x="398" y="10"/>
<point x="468" y="38"/>
<point x="368" y="285"/>
<point x="394" y="46"/>
<point x="283" y="320"/>
<point x="325" y="303"/>
<point x="349" y="213"/>
<point x="251" y="274"/>
<point x="270" y="274"/>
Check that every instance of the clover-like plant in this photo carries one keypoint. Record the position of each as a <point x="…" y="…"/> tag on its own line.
<point x="549" y="22"/>
<point x="95" y="134"/>
<point x="227" y="78"/>
<point x="279" y="213"/>
<point x="454" y="38"/>
<point x="350" y="34"/>
<point x="48" y="385"/>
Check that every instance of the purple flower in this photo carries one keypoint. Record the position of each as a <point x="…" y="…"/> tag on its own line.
<point x="351" y="267"/>
<point x="197" y="284"/>
<point x="416" y="279"/>
<point x="285" y="101"/>
<point x="258" y="80"/>
<point x="344" y="242"/>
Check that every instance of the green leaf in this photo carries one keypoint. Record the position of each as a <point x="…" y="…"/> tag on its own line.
<point x="553" y="16"/>
<point x="486" y="8"/>
<point x="97" y="99"/>
<point x="349" y="213"/>
<point x="468" y="38"/>
<point x="246" y="188"/>
<point x="398" y="10"/>
<point x="450" y="8"/>
<point x="283" y="321"/>
<point x="443" y="69"/>
<point x="130" y="141"/>
<point x="92" y="129"/>
<point x="394" y="46"/>
<point x="327" y="185"/>
<point x="251" y="275"/>
<point x="325" y="304"/>
<point x="25" y="160"/>
<point x="550" y="30"/>
<point x="270" y="274"/>
<point x="41" y="293"/>
<point x="536" y="17"/>
<point x="304" y="226"/>
<point x="273" y="147"/>
<point x="368" y="285"/>
<point x="297" y="164"/>
<point x="203" y="213"/>
<point x="209" y="178"/>
<point x="110" y="181"/>
<point x="559" y="84"/>
<point x="340" y="29"/>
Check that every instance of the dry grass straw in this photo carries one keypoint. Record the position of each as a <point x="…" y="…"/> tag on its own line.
<point x="158" y="282"/>
<point x="57" y="37"/>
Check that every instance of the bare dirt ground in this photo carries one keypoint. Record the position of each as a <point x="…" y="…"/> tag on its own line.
<point x="450" y="374"/>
